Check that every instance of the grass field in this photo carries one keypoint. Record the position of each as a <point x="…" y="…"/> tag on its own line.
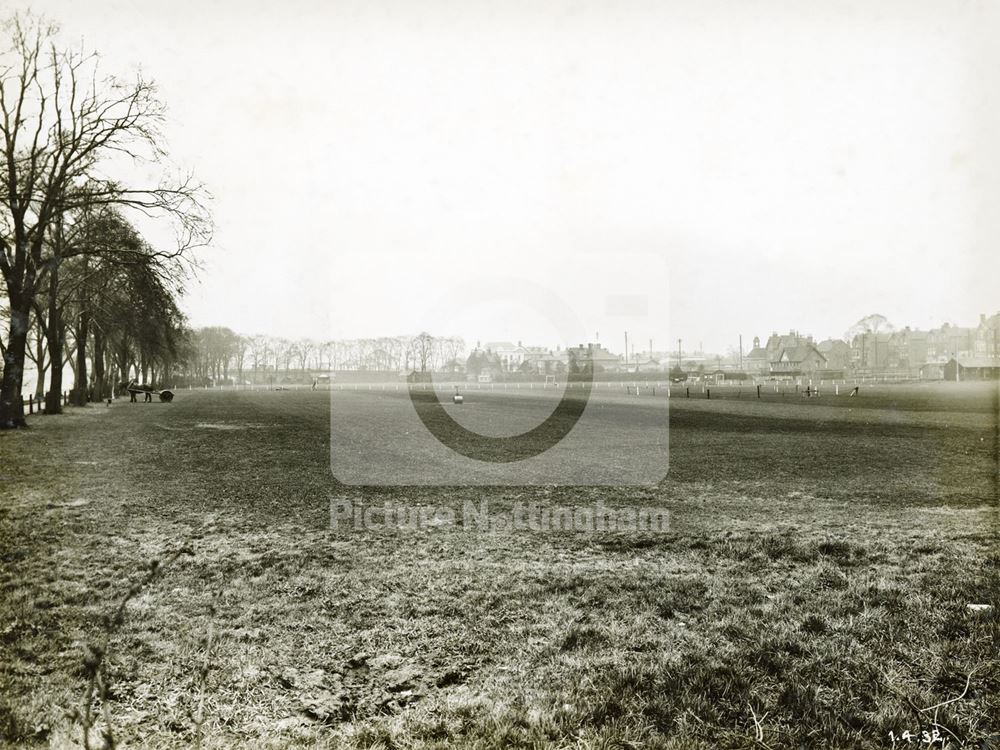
<point x="813" y="591"/>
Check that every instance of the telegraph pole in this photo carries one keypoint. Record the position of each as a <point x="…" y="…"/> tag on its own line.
<point x="741" y="352"/>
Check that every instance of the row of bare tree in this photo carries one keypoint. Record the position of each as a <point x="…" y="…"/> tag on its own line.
<point x="107" y="317"/>
<point x="84" y="165"/>
<point x="220" y="354"/>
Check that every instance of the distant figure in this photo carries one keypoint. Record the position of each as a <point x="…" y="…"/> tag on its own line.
<point x="855" y="391"/>
<point x="314" y="384"/>
<point x="148" y="399"/>
<point x="132" y="389"/>
<point x="809" y="391"/>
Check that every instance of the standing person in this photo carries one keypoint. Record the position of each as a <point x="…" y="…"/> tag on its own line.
<point x="131" y="388"/>
<point x="314" y="384"/>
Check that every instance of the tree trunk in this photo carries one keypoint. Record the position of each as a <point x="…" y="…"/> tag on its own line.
<point x="80" y="395"/>
<point x="69" y="356"/>
<point x="123" y="362"/>
<point x="43" y="366"/>
<point x="11" y="408"/>
<point x="54" y="334"/>
<point x="99" y="389"/>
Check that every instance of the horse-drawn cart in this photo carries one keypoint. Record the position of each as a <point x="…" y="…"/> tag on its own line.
<point x="133" y="390"/>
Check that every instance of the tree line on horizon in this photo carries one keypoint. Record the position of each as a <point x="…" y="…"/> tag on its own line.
<point x="218" y="354"/>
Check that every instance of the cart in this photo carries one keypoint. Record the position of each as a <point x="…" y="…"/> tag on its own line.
<point x="166" y="396"/>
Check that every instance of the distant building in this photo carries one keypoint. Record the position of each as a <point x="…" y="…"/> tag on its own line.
<point x="758" y="360"/>
<point x="987" y="338"/>
<point x="454" y="365"/>
<point x="908" y="350"/>
<point x="870" y="352"/>
<point x="798" y="361"/>
<point x="932" y="370"/>
<point x="649" y="365"/>
<point x="951" y="341"/>
<point x="784" y="356"/>
<point x="511" y="356"/>
<point x="541" y="361"/>
<point x="972" y="368"/>
<point x="903" y="353"/>
<point x="837" y="353"/>
<point x="604" y="361"/>
<point x="913" y="353"/>
<point x="483" y="365"/>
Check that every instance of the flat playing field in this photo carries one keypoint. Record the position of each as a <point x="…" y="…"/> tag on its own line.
<point x="814" y="587"/>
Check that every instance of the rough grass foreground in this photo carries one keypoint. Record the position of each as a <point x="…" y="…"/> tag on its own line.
<point x="793" y="603"/>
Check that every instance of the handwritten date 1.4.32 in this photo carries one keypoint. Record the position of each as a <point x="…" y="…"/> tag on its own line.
<point x="926" y="737"/>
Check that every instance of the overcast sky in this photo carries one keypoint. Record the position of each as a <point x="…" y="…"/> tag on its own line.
<point x="797" y="165"/>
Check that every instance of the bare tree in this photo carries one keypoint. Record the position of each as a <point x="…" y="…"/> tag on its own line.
<point x="324" y="354"/>
<point x="304" y="348"/>
<point x="873" y="323"/>
<point x="241" y="345"/>
<point x="423" y="349"/>
<point x="59" y="121"/>
<point x="283" y="352"/>
<point x="259" y="350"/>
<point x="452" y="347"/>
